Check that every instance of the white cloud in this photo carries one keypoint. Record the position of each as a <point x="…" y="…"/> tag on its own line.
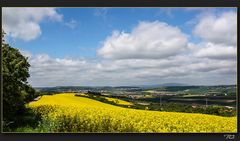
<point x="23" y="23"/>
<point x="219" y="36"/>
<point x="148" y="40"/>
<point x="209" y="65"/>
<point x="72" y="24"/>
<point x="152" y="53"/>
<point x="217" y="51"/>
<point x="48" y="71"/>
<point x="219" y="29"/>
<point x="26" y="53"/>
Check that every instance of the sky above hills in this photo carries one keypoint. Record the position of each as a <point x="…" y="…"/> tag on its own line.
<point x="125" y="46"/>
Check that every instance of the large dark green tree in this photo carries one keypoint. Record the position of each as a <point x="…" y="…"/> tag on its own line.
<point x="16" y="91"/>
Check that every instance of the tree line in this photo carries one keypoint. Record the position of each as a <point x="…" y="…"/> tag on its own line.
<point x="16" y="90"/>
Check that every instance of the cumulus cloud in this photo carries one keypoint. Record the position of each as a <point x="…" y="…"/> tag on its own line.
<point x="55" y="71"/>
<point x="23" y="23"/>
<point x="146" y="41"/>
<point x="48" y="71"/>
<point x="218" y="28"/>
<point x="152" y="53"/>
<point x="217" y="51"/>
<point x="219" y="36"/>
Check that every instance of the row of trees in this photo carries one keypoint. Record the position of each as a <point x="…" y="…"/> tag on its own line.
<point x="16" y="90"/>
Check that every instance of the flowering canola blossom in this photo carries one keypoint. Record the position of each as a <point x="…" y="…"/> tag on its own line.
<point x="69" y="113"/>
<point x="118" y="101"/>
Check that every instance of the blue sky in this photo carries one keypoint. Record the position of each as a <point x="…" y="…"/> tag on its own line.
<point x="80" y="34"/>
<point x="59" y="40"/>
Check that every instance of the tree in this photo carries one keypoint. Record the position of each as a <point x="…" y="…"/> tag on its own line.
<point x="15" y="71"/>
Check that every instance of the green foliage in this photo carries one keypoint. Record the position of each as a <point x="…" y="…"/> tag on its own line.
<point x="178" y="107"/>
<point x="41" y="93"/>
<point x="30" y="93"/>
<point x="16" y="91"/>
<point x="25" y="122"/>
<point x="15" y="74"/>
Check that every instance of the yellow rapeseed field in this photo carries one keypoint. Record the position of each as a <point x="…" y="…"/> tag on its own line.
<point x="68" y="113"/>
<point x="118" y="101"/>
